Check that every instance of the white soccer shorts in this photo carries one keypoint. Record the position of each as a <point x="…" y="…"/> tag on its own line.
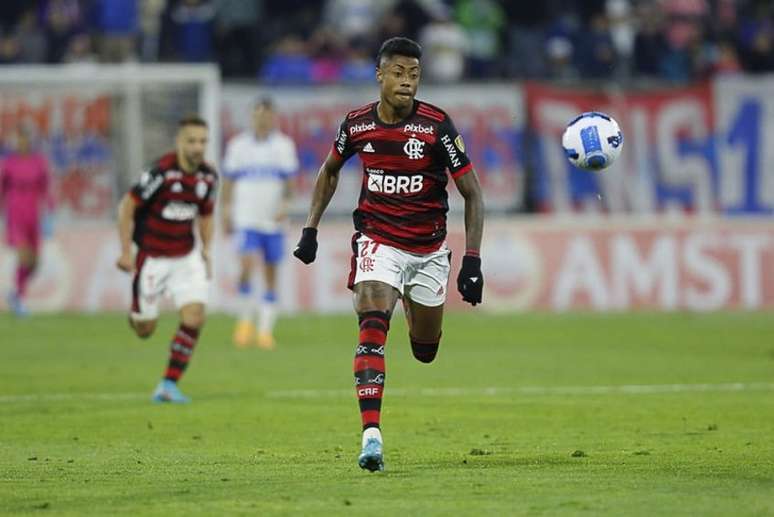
<point x="184" y="279"/>
<point x="421" y="277"/>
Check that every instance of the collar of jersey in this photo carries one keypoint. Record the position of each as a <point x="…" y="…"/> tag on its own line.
<point x="379" y="121"/>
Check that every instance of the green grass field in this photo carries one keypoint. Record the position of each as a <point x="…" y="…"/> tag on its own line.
<point x="519" y="415"/>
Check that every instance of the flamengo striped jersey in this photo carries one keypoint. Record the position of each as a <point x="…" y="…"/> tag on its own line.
<point x="403" y="199"/>
<point x="168" y="200"/>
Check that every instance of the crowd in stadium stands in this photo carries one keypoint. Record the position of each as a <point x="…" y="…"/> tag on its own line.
<point x="327" y="41"/>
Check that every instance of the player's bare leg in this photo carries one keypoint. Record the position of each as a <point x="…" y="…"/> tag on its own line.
<point x="192" y="317"/>
<point x="26" y="264"/>
<point x="244" y="331"/>
<point x="268" y="313"/>
<point x="424" y="325"/>
<point x="374" y="303"/>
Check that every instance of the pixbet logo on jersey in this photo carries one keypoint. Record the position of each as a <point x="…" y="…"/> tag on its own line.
<point x="386" y="184"/>
<point x="359" y="128"/>
<point x="418" y="128"/>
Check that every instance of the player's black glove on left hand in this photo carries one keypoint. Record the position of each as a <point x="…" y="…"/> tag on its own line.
<point x="470" y="281"/>
<point x="306" y="249"/>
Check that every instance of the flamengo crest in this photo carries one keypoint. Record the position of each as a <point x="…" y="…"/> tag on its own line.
<point x="414" y="149"/>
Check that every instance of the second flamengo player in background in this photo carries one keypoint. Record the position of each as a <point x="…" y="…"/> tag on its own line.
<point x="399" y="248"/>
<point x="258" y="168"/>
<point x="158" y="214"/>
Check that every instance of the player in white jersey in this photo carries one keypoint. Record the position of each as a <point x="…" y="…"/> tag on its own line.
<point x="258" y="168"/>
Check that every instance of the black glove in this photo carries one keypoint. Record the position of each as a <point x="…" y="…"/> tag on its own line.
<point x="306" y="249"/>
<point x="470" y="281"/>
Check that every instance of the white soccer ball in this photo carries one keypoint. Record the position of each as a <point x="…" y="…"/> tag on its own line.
<point x="592" y="141"/>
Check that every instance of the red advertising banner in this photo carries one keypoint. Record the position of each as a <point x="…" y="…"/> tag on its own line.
<point x="74" y="131"/>
<point x="669" y="160"/>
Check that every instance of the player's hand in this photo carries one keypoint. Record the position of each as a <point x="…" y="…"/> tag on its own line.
<point x="207" y="262"/>
<point x="126" y="262"/>
<point x="470" y="281"/>
<point x="306" y="249"/>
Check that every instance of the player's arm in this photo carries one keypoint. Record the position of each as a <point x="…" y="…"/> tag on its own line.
<point x="226" y="195"/>
<point x="143" y="192"/>
<point x="206" y="231"/>
<point x="324" y="188"/>
<point x="126" y="210"/>
<point x="470" y="280"/>
<point x="206" y="223"/>
<point x="470" y="188"/>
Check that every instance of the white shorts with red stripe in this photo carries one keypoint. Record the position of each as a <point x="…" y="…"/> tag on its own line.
<point x="183" y="279"/>
<point x="422" y="278"/>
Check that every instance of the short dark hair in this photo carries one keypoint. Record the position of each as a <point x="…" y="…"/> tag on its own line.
<point x="191" y="120"/>
<point x="264" y="102"/>
<point x="398" y="46"/>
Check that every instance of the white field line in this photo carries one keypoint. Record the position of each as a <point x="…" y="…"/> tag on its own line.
<point x="623" y="389"/>
<point x="67" y="397"/>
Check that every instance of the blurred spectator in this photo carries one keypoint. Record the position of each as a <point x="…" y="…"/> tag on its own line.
<point x="622" y="32"/>
<point x="330" y="40"/>
<point x="80" y="50"/>
<point x="9" y="49"/>
<point x="192" y="26"/>
<point x="595" y="53"/>
<point x="150" y="28"/>
<point x="236" y="36"/>
<point x="288" y="63"/>
<point x="327" y="52"/>
<point x="684" y="30"/>
<point x="393" y="23"/>
<point x="650" y="45"/>
<point x="61" y="20"/>
<point x="444" y="44"/>
<point x="32" y="41"/>
<point x="527" y="38"/>
<point x="756" y="37"/>
<point x="116" y="23"/>
<point x="416" y="14"/>
<point x="359" y="66"/>
<point x="354" y="18"/>
<point x="559" y="53"/>
<point x="725" y="60"/>
<point x="482" y="20"/>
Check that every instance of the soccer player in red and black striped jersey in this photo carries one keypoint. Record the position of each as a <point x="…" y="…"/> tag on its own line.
<point x="158" y="216"/>
<point x="399" y="247"/>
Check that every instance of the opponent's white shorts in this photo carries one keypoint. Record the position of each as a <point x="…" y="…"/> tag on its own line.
<point x="184" y="279"/>
<point x="422" y="278"/>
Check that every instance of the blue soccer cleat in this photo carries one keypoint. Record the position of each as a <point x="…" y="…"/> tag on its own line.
<point x="167" y="391"/>
<point x="17" y="306"/>
<point x="371" y="456"/>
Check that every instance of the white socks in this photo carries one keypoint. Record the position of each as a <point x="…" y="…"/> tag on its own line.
<point x="266" y="317"/>
<point x="372" y="432"/>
